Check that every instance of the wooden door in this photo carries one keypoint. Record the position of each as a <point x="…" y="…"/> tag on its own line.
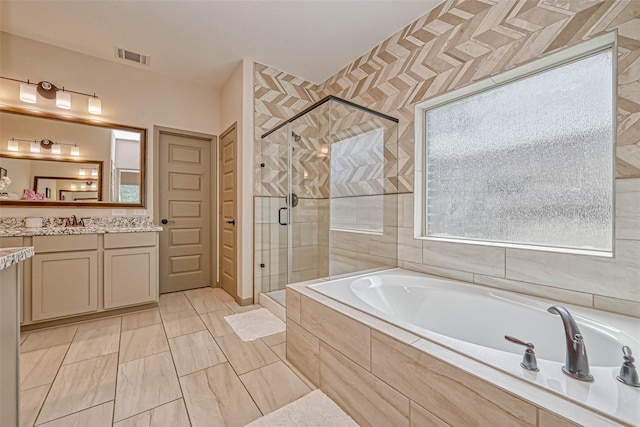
<point x="185" y="203"/>
<point x="228" y="211"/>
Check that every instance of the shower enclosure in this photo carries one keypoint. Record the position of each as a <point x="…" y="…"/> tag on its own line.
<point x="327" y="196"/>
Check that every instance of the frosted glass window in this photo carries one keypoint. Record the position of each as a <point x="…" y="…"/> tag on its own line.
<point x="528" y="162"/>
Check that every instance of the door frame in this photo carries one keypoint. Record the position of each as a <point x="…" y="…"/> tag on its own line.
<point x="213" y="140"/>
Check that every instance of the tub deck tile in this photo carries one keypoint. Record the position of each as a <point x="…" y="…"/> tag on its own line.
<point x="457" y="398"/>
<point x="350" y="337"/>
<point x="368" y="400"/>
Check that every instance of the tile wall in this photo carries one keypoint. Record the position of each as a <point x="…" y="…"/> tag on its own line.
<point x="461" y="42"/>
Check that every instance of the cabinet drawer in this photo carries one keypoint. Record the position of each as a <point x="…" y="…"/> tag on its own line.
<point x="129" y="240"/>
<point x="65" y="243"/>
<point x="10" y="242"/>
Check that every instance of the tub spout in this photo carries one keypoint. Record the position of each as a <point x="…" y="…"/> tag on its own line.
<point x="576" y="363"/>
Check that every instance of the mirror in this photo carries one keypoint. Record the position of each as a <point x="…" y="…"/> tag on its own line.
<point x="53" y="160"/>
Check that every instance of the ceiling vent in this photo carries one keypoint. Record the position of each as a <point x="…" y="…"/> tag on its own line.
<point x="127" y="55"/>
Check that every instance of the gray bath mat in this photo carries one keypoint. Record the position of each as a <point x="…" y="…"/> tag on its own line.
<point x="313" y="410"/>
<point x="255" y="324"/>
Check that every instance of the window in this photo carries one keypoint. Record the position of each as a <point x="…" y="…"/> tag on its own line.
<point x="524" y="159"/>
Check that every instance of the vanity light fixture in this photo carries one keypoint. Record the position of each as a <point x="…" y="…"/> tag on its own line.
<point x="47" y="144"/>
<point x="29" y="92"/>
<point x="95" y="105"/>
<point x="63" y="99"/>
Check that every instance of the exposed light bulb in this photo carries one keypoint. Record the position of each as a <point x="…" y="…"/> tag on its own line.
<point x="95" y="105"/>
<point x="13" y="145"/>
<point x="63" y="99"/>
<point x="35" y="147"/>
<point x="75" y="150"/>
<point x="28" y="93"/>
<point x="55" y="149"/>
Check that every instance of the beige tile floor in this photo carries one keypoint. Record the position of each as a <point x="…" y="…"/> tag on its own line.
<point x="178" y="365"/>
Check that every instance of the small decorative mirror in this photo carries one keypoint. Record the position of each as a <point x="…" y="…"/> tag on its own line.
<point x="50" y="160"/>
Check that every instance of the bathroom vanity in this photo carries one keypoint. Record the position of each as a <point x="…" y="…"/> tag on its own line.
<point x="11" y="259"/>
<point x="85" y="270"/>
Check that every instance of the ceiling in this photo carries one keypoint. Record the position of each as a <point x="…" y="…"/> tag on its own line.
<point x="203" y="41"/>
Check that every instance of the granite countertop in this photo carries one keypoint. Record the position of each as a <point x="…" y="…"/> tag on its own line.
<point x="55" y="226"/>
<point x="11" y="256"/>
<point x="58" y="231"/>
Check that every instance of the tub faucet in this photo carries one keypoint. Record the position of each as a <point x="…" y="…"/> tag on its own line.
<point x="576" y="363"/>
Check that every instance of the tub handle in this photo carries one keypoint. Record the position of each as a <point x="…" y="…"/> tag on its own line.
<point x="529" y="361"/>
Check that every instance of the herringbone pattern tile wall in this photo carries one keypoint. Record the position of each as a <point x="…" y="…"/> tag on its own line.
<point x="458" y="43"/>
<point x="461" y="42"/>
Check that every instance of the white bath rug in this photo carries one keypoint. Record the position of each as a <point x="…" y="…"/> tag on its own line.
<point x="313" y="410"/>
<point x="255" y="324"/>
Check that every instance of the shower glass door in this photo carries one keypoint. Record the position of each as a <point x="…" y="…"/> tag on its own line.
<point x="328" y="200"/>
<point x="308" y="205"/>
<point x="271" y="220"/>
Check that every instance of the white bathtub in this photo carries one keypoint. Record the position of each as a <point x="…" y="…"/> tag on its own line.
<point x="473" y="320"/>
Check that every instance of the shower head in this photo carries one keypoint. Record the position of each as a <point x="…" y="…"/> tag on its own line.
<point x="295" y="136"/>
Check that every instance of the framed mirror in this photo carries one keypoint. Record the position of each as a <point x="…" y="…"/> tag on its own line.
<point x="51" y="160"/>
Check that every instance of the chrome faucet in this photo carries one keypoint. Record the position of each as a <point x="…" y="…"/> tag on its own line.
<point x="576" y="363"/>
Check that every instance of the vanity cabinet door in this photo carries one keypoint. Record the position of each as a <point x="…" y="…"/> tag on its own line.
<point x="64" y="284"/>
<point x="130" y="276"/>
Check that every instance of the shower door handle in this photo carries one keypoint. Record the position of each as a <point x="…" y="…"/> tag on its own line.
<point x="280" y="216"/>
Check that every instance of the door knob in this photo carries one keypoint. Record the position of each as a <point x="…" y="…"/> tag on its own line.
<point x="231" y="221"/>
<point x="166" y="221"/>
